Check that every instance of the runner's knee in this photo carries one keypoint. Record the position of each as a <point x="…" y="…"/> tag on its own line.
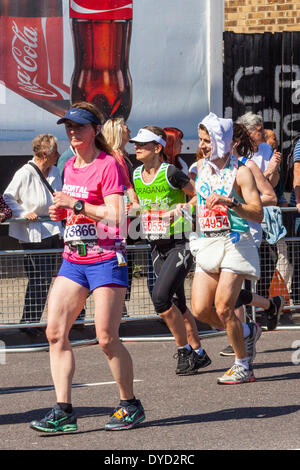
<point x="107" y="343"/>
<point x="55" y="335"/>
<point x="161" y="299"/>
<point x="225" y="313"/>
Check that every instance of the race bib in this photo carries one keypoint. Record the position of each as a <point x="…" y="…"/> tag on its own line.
<point x="153" y="224"/>
<point x="213" y="220"/>
<point x="78" y="232"/>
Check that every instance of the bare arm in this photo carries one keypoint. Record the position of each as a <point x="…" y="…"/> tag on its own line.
<point x="189" y="189"/>
<point x="272" y="173"/>
<point x="112" y="210"/>
<point x="245" y="185"/>
<point x="296" y="184"/>
<point x="267" y="193"/>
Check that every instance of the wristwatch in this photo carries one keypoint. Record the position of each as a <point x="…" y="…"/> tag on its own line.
<point x="234" y="203"/>
<point x="78" y="207"/>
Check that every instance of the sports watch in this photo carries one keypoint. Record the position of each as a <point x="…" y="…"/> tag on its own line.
<point x="234" y="203"/>
<point x="78" y="207"/>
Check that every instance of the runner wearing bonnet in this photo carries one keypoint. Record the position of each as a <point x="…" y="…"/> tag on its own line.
<point x="225" y="252"/>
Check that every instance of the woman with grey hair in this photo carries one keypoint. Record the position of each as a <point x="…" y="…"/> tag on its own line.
<point x="29" y="198"/>
<point x="267" y="160"/>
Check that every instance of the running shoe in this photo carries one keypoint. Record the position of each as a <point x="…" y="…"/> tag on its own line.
<point x="250" y="341"/>
<point x="56" y="420"/>
<point x="228" y="351"/>
<point x="237" y="375"/>
<point x="272" y="318"/>
<point x="202" y="360"/>
<point x="126" y="417"/>
<point x="187" y="362"/>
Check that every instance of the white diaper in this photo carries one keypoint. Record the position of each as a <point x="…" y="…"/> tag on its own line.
<point x="234" y="252"/>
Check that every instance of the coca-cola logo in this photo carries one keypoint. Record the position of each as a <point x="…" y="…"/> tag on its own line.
<point x="108" y="9"/>
<point x="24" y="51"/>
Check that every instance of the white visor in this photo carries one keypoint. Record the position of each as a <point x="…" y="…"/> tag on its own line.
<point x="144" y="136"/>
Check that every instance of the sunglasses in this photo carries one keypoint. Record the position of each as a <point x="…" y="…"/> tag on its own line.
<point x="143" y="144"/>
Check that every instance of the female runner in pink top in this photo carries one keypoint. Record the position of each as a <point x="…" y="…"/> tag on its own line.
<point x="93" y="260"/>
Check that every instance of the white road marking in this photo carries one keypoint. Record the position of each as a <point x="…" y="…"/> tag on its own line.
<point x="7" y="391"/>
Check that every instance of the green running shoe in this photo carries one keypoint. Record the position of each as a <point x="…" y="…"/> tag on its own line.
<point x="126" y="417"/>
<point x="56" y="420"/>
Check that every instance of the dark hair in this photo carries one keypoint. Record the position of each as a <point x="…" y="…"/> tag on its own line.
<point x="174" y="136"/>
<point x="100" y="141"/>
<point x="159" y="131"/>
<point x="245" y="148"/>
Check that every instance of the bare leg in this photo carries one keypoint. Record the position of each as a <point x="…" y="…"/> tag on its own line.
<point x="66" y="301"/>
<point x="223" y="289"/>
<point x="203" y="294"/>
<point x="175" y="322"/>
<point x="240" y="313"/>
<point x="228" y="289"/>
<point x="109" y="303"/>
<point x="191" y="329"/>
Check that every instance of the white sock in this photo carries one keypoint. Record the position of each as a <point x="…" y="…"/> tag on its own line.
<point x="187" y="346"/>
<point x="246" y="330"/>
<point x="199" y="351"/>
<point x="244" y="362"/>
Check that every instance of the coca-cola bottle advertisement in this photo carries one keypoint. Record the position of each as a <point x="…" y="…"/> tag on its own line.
<point x="143" y="60"/>
<point x="33" y="53"/>
<point x="101" y="33"/>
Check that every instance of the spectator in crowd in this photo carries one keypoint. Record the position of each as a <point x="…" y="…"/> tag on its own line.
<point x="243" y="150"/>
<point x="271" y="139"/>
<point x="173" y="148"/>
<point x="295" y="202"/>
<point x="5" y="210"/>
<point x="283" y="265"/>
<point x="267" y="160"/>
<point x="29" y="198"/>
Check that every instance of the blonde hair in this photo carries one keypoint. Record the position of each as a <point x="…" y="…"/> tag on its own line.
<point x="43" y="143"/>
<point x="113" y="132"/>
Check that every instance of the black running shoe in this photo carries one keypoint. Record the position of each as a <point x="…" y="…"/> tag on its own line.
<point x="126" y="417"/>
<point x="273" y="314"/>
<point x="202" y="361"/>
<point x="56" y="420"/>
<point x="187" y="360"/>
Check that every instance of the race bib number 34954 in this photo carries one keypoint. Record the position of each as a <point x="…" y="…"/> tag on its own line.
<point x="213" y="220"/>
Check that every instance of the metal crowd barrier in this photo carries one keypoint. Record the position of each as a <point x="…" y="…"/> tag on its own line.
<point x="26" y="277"/>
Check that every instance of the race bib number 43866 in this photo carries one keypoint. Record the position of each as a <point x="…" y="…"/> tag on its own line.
<point x="214" y="219"/>
<point x="78" y="232"/>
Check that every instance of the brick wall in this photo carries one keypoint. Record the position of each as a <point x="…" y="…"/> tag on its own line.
<point x="259" y="16"/>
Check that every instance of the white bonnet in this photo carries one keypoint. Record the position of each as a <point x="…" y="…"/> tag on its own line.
<point x="220" y="132"/>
